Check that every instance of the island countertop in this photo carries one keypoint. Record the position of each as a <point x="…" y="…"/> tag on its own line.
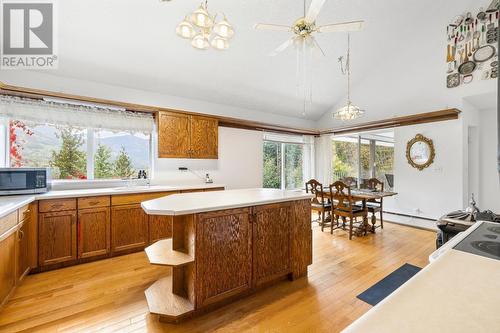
<point x="192" y="203"/>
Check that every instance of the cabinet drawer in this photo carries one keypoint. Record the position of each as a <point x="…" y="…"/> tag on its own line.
<point x="131" y="199"/>
<point x="24" y="213"/>
<point x="94" y="202"/>
<point x="56" y="205"/>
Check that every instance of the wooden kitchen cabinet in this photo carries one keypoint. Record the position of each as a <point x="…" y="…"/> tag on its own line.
<point x="271" y="238"/>
<point x="23" y="250"/>
<point x="94" y="232"/>
<point x="7" y="265"/>
<point x="129" y="228"/>
<point x="160" y="227"/>
<point x="57" y="237"/>
<point x="187" y="136"/>
<point x="223" y="255"/>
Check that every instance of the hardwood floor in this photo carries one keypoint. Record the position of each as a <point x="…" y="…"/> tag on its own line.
<point x="108" y="296"/>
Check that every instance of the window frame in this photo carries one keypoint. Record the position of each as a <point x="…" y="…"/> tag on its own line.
<point x="90" y="151"/>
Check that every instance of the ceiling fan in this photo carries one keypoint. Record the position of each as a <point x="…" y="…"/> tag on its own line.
<point x="305" y="27"/>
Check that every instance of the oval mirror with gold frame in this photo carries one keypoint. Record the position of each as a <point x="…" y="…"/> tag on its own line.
<point x="420" y="152"/>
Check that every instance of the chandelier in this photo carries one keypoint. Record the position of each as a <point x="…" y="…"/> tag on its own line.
<point x="349" y="111"/>
<point x="203" y="30"/>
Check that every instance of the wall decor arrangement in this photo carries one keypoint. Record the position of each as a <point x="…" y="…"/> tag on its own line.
<point x="471" y="51"/>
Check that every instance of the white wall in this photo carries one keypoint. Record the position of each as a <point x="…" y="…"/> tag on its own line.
<point x="239" y="164"/>
<point x="437" y="189"/>
<point x="489" y="195"/>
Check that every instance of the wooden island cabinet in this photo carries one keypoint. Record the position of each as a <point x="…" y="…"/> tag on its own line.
<point x="217" y="255"/>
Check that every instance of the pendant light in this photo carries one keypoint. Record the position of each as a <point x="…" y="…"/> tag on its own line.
<point x="224" y="29"/>
<point x="200" y="42"/>
<point x="201" y="18"/>
<point x="349" y="111"/>
<point x="185" y="29"/>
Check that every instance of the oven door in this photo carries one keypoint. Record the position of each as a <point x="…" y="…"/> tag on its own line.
<point x="16" y="181"/>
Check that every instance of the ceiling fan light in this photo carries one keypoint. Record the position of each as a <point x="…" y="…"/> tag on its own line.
<point x="185" y="30"/>
<point x="224" y="29"/>
<point x="200" y="42"/>
<point x="348" y="112"/>
<point x="201" y="18"/>
<point x="220" y="43"/>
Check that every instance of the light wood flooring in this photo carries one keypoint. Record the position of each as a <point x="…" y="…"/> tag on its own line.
<point x="108" y="296"/>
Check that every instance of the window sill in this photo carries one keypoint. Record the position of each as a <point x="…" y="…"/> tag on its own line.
<point x="73" y="184"/>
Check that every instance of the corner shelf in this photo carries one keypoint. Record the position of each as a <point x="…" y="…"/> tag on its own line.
<point x="163" y="302"/>
<point x="161" y="253"/>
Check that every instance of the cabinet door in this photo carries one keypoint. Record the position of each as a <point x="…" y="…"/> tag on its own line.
<point x="129" y="228"/>
<point x="23" y="253"/>
<point x="7" y="266"/>
<point x="57" y="237"/>
<point x="160" y="227"/>
<point x="93" y="232"/>
<point x="271" y="237"/>
<point x="173" y="135"/>
<point x="204" y="137"/>
<point x="223" y="255"/>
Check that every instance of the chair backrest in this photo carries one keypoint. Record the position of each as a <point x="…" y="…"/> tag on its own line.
<point x="375" y="184"/>
<point x="341" y="193"/>
<point x="316" y="188"/>
<point x="350" y="181"/>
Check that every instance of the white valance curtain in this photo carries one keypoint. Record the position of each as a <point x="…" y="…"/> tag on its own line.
<point x="85" y="116"/>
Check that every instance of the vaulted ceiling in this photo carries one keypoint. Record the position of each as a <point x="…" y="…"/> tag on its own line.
<point x="132" y="43"/>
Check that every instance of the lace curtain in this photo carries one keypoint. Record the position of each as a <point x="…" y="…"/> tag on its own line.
<point x="85" y="116"/>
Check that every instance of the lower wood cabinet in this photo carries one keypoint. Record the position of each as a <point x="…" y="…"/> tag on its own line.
<point x="271" y="238"/>
<point x="7" y="265"/>
<point x="57" y="237"/>
<point x="160" y="227"/>
<point x="129" y="229"/>
<point x="94" y="232"/>
<point x="23" y="250"/>
<point x="223" y="255"/>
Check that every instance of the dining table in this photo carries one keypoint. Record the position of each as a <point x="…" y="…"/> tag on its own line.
<point x="363" y="196"/>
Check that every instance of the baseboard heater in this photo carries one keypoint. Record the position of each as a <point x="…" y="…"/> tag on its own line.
<point x="412" y="216"/>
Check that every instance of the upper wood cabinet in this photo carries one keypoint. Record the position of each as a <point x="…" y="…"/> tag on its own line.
<point x="186" y="136"/>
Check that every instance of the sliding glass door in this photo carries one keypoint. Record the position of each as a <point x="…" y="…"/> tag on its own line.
<point x="283" y="165"/>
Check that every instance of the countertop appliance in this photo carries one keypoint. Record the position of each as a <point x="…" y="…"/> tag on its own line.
<point x="483" y="241"/>
<point x="24" y="180"/>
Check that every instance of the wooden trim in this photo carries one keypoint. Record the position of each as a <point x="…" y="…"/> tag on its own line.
<point x="421" y="118"/>
<point x="441" y="115"/>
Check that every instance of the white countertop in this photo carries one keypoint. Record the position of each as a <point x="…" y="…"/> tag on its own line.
<point x="191" y="203"/>
<point x="8" y="204"/>
<point x="458" y="292"/>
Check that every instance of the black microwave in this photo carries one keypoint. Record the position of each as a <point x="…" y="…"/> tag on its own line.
<point x="24" y="180"/>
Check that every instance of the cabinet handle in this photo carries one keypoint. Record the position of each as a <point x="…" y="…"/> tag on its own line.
<point x="78" y="231"/>
<point x="56" y="205"/>
<point x="93" y="203"/>
<point x="21" y="235"/>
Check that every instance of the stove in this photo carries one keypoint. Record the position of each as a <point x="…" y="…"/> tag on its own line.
<point x="483" y="241"/>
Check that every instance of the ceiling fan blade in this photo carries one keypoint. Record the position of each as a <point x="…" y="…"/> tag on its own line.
<point x="282" y="47"/>
<point x="314" y="9"/>
<point x="316" y="45"/>
<point x="275" y="27"/>
<point x="339" y="27"/>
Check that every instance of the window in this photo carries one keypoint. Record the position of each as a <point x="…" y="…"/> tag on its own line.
<point x="287" y="161"/>
<point x="363" y="157"/>
<point x="76" y="142"/>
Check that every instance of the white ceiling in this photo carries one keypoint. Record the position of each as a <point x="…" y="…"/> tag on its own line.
<point x="132" y="43"/>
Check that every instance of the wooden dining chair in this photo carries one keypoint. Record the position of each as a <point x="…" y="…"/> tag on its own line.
<point x="350" y="181"/>
<point x="345" y="207"/>
<point x="319" y="203"/>
<point x="375" y="205"/>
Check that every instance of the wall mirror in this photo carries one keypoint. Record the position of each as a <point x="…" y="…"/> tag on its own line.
<point x="420" y="152"/>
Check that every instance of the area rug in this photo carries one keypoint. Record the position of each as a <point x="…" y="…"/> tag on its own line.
<point x="387" y="285"/>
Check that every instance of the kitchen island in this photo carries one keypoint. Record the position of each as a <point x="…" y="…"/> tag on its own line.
<point x="226" y="245"/>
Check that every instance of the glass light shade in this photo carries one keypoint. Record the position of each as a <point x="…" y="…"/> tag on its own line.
<point x="224" y="29"/>
<point x="201" y="18"/>
<point x="200" y="42"/>
<point x="348" y="112"/>
<point x="220" y="43"/>
<point x="185" y="30"/>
